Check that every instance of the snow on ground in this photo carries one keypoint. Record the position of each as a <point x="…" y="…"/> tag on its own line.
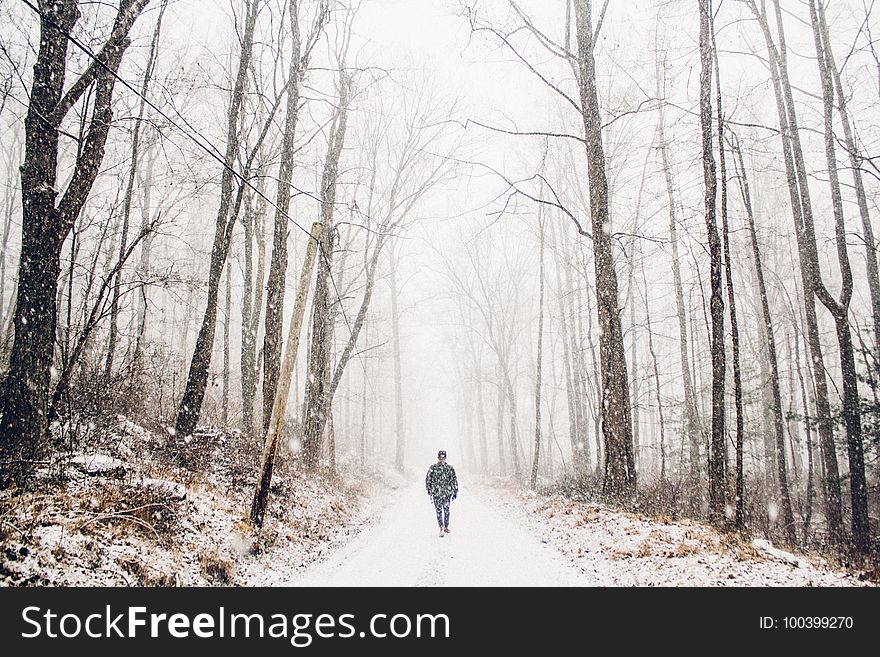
<point x="403" y="548"/>
<point x="127" y="516"/>
<point x="125" y="521"/>
<point x="501" y="538"/>
<point x="611" y="548"/>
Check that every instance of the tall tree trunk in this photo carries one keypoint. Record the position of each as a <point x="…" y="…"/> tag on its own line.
<point x="129" y="188"/>
<point x="47" y="221"/>
<point x="399" y="429"/>
<point x="620" y="475"/>
<point x="635" y="361"/>
<point x="481" y="424"/>
<point x="717" y="475"/>
<point x="279" y="409"/>
<point x="793" y="438"/>
<point x="540" y="363"/>
<point x="657" y="388"/>
<point x="728" y="270"/>
<point x="582" y="336"/>
<point x="577" y="450"/>
<point x="788" y="134"/>
<point x="575" y="367"/>
<point x="317" y="404"/>
<point x="631" y="301"/>
<point x="858" y="182"/>
<point x="197" y="380"/>
<point x="144" y="265"/>
<point x="252" y="301"/>
<point x="499" y="423"/>
<point x="248" y="337"/>
<point x="808" y="431"/>
<point x="691" y="432"/>
<point x="364" y="391"/>
<point x="839" y="309"/>
<point x="227" y="317"/>
<point x="319" y="354"/>
<point x="276" y="288"/>
<point x="9" y="211"/>
<point x="513" y="415"/>
<point x="773" y="361"/>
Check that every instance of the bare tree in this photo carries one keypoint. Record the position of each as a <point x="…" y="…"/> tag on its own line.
<point x="717" y="466"/>
<point x="773" y="361"/>
<point x="540" y="356"/>
<point x="800" y="208"/>
<point x="254" y="232"/>
<point x="152" y="58"/>
<point x="620" y="474"/>
<point x="317" y="399"/>
<point x="402" y="169"/>
<point x="739" y="439"/>
<point x="691" y="422"/>
<point x="839" y="308"/>
<point x="197" y="380"/>
<point x="47" y="221"/>
<point x="299" y="65"/>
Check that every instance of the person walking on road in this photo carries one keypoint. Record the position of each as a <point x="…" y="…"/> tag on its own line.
<point x="442" y="485"/>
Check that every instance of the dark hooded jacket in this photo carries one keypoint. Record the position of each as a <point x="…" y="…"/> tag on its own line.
<point x="441" y="481"/>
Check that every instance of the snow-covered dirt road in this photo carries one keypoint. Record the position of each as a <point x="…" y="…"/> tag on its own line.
<point x="501" y="538"/>
<point x="403" y="548"/>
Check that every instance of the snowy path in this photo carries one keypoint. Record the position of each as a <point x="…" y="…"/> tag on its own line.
<point x="505" y="539"/>
<point x="403" y="548"/>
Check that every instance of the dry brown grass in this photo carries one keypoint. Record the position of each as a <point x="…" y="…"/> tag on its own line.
<point x="646" y="549"/>
<point x="739" y="548"/>
<point x="685" y="550"/>
<point x="148" y="513"/>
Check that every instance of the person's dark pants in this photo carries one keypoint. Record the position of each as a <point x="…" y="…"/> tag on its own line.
<point x="441" y="505"/>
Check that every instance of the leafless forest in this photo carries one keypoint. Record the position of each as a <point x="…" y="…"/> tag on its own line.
<point x="621" y="250"/>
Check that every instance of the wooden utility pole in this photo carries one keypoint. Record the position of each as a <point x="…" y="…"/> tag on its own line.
<point x="279" y="408"/>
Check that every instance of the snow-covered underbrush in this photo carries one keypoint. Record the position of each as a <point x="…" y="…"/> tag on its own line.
<point x="614" y="548"/>
<point x="124" y="512"/>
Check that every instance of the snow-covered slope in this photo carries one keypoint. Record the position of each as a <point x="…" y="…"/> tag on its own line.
<point x="618" y="549"/>
<point x="127" y="516"/>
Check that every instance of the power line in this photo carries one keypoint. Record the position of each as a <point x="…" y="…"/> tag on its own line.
<point x="201" y="141"/>
<point x="204" y="143"/>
